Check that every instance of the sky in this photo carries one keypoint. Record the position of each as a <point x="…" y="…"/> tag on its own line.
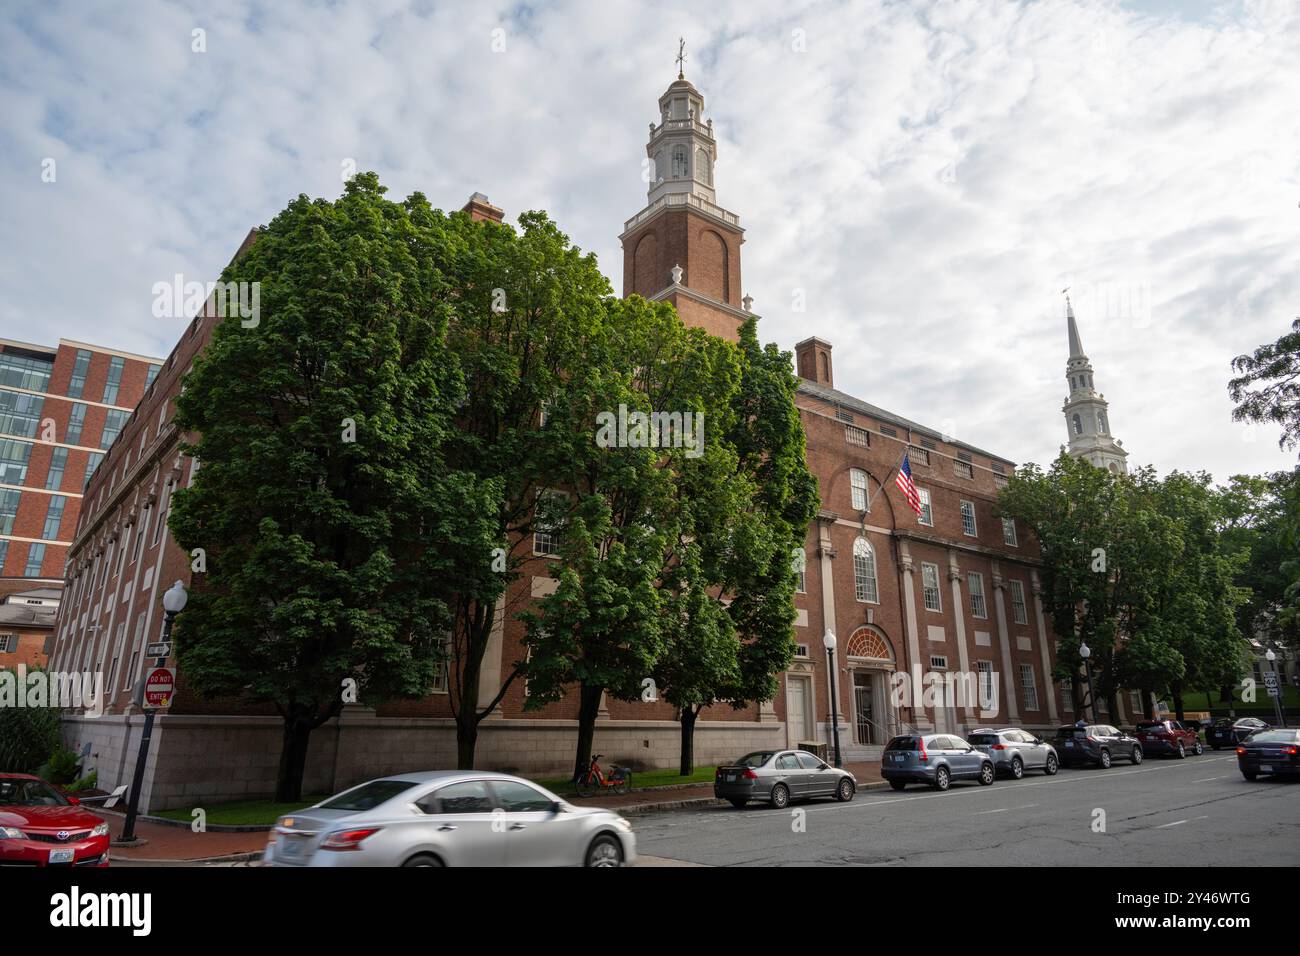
<point x="918" y="182"/>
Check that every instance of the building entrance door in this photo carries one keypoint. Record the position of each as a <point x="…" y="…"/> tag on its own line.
<point x="799" y="705"/>
<point x="864" y="714"/>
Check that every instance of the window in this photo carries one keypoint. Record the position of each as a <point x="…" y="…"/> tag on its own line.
<point x="1067" y="697"/>
<point x="679" y="162"/>
<point x="91" y="464"/>
<point x="844" y="416"/>
<point x="520" y="798"/>
<point x="162" y="514"/>
<point x="810" y="761"/>
<point x="801" y="569"/>
<point x="58" y="462"/>
<point x="53" y="518"/>
<point x="20" y="414"/>
<point x="927" y="515"/>
<point x="76" y="419"/>
<point x="548" y="522"/>
<point x="787" y="762"/>
<point x="1018" y="612"/>
<point x="1078" y="424"/>
<point x="975" y="584"/>
<point x="961" y="469"/>
<point x="14" y="456"/>
<point x="9" y="500"/>
<point x="8" y="643"/>
<point x="917" y="456"/>
<point x="1000" y="481"/>
<point x="113" y="423"/>
<point x="1009" y="531"/>
<point x="22" y="371"/>
<point x="77" y="384"/>
<point x="1028" y="687"/>
<point x="1101" y="423"/>
<point x="858" y="483"/>
<point x="152" y="374"/>
<point x="968" y="518"/>
<point x="857" y="436"/>
<point x="889" y="430"/>
<point x="35" y="558"/>
<point x="988" y="700"/>
<point x="864" y="571"/>
<point x="441" y="678"/>
<point x="930" y="587"/>
<point x="939" y="662"/>
<point x="1135" y="701"/>
<point x="4" y="554"/>
<point x="703" y="167"/>
<point x="114" y="380"/>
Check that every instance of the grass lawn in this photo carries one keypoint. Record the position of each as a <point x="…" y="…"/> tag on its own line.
<point x="1262" y="706"/>
<point x="640" y="779"/>
<point x="242" y="812"/>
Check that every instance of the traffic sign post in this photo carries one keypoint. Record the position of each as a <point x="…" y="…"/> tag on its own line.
<point x="159" y="685"/>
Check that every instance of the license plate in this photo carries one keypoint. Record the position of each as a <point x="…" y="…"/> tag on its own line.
<point x="1069" y="743"/>
<point x="1265" y="768"/>
<point x="62" y="856"/>
<point x="291" y="846"/>
<point x="732" y="777"/>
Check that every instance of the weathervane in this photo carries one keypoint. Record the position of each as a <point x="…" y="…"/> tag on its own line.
<point x="681" y="58"/>
<point x="1066" y="292"/>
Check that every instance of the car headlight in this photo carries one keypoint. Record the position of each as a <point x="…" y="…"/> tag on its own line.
<point x="101" y="830"/>
<point x="623" y="824"/>
<point x="12" y="833"/>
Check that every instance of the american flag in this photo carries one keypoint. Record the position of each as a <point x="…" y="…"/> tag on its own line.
<point x="905" y="482"/>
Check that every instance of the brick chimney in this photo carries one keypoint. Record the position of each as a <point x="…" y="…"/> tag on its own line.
<point x="479" y="209"/>
<point x="813" y="361"/>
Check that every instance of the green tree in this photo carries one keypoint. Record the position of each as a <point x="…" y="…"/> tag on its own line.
<point x="330" y="520"/>
<point x="1267" y="388"/>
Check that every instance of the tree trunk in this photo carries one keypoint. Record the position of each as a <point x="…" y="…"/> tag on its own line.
<point x="588" y="708"/>
<point x="466" y="741"/>
<point x="1178" y="703"/>
<point x="466" y="674"/>
<point x="687" y="766"/>
<point x="1149" y="702"/>
<point x="1225" y="697"/>
<point x="293" y="756"/>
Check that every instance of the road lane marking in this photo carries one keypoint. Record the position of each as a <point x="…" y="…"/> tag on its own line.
<point x="1205" y="779"/>
<point x="1166" y="826"/>
<point x="1027" y="806"/>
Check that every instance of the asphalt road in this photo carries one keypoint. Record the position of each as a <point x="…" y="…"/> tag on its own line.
<point x="1193" y="812"/>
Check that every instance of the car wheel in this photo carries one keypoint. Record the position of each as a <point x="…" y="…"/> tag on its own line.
<point x="424" y="859"/>
<point x="1199" y="749"/>
<point x="1182" y="751"/>
<point x="988" y="774"/>
<point x="941" y="779"/>
<point x="605" y="850"/>
<point x="844" y="792"/>
<point x="1051" y="766"/>
<point x="1104" y="760"/>
<point x="1137" y="755"/>
<point x="737" y="802"/>
<point x="780" y="796"/>
<point x="898" y="784"/>
<point x="1249" y="774"/>
<point x="1017" y="768"/>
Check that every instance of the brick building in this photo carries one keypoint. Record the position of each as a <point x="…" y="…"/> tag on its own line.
<point x="26" y="623"/>
<point x="897" y="591"/>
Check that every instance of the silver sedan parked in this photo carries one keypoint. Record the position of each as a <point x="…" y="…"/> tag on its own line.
<point x="450" y="818"/>
<point x="779" y="776"/>
<point x="1013" y="751"/>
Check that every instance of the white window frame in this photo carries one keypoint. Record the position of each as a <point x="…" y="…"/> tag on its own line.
<point x="985" y="692"/>
<point x="1009" y="532"/>
<point x="1019" y="610"/>
<point x="926" y="590"/>
<point x="926" y="517"/>
<point x="979" y="607"/>
<point x="1029" y="687"/>
<point x="865" y="586"/>
<point x="858" y="489"/>
<point x="969" y="527"/>
<point x="548" y="534"/>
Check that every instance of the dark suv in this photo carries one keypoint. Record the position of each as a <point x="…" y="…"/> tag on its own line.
<point x="1226" y="732"/>
<point x="1095" y="744"/>
<point x="1168" y="737"/>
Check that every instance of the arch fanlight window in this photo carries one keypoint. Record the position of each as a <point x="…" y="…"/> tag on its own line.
<point x="864" y="572"/>
<point x="866" y="644"/>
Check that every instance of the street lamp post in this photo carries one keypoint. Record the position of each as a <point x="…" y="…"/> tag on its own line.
<point x="1086" y="653"/>
<point x="1277" y="685"/>
<point x="828" y="639"/>
<point x="173" y="603"/>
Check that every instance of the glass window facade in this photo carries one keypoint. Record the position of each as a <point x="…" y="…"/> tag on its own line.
<point x="20" y="413"/>
<point x="113" y="423"/>
<point x="35" y="558"/>
<point x="58" y="464"/>
<point x="77" y="384"/>
<point x="8" y="509"/>
<point x="114" y="382"/>
<point x="14" y="456"/>
<point x="53" y="518"/>
<point x="23" y="371"/>
<point x="76" y="420"/>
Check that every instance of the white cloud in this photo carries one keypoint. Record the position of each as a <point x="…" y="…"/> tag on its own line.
<point x="930" y="179"/>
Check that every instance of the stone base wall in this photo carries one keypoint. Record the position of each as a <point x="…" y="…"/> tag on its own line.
<point x="197" y="759"/>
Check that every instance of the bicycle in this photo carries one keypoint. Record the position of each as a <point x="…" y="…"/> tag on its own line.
<point x="594" y="780"/>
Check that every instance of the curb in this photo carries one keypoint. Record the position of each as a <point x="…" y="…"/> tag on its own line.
<point x="210" y="828"/>
<point x="637" y="808"/>
<point x="181" y="861"/>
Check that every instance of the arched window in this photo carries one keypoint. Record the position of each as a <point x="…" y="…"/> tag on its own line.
<point x="703" y="167"/>
<point x="1078" y="424"/>
<point x="679" y="162"/>
<point x="1101" y="423"/>
<point x="864" y="571"/>
<point x="858" y="483"/>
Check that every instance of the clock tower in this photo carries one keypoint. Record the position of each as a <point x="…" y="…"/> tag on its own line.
<point x="1085" y="408"/>
<point x="683" y="247"/>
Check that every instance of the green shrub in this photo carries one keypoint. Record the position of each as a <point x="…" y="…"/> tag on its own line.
<point x="28" y="735"/>
<point x="85" y="783"/>
<point x="61" y="768"/>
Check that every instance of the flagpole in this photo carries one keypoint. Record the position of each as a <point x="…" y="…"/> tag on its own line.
<point x="870" y="496"/>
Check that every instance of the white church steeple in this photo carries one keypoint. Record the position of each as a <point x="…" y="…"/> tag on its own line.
<point x="1085" y="409"/>
<point x="681" y="147"/>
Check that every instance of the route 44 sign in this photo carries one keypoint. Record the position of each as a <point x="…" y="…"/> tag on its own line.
<point x="1270" y="681"/>
<point x="159" y="685"/>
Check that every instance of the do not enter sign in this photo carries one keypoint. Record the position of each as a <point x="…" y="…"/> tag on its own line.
<point x="159" y="684"/>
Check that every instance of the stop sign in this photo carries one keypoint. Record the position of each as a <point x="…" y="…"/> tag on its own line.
<point x="159" y="684"/>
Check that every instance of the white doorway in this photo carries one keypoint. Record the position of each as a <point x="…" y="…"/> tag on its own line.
<point x="798" y="709"/>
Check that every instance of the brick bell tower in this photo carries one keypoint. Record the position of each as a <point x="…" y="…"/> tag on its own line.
<point x="683" y="247"/>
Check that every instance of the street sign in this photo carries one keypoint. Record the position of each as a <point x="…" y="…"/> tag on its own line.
<point x="1270" y="679"/>
<point x="159" y="684"/>
<point x="1274" y="692"/>
<point x="158" y="650"/>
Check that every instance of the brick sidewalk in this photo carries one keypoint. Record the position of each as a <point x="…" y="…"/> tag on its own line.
<point x="179" y="843"/>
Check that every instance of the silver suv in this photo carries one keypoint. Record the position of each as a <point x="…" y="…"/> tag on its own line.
<point x="1013" y="751"/>
<point x="936" y="759"/>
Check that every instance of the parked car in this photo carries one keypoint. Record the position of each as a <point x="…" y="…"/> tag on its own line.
<point x="1270" y="752"/>
<point x="1095" y="744"/>
<point x="1168" y="737"/>
<point x="779" y="776"/>
<point x="1013" y="751"/>
<point x="450" y="818"/>
<point x="39" y="826"/>
<point x="936" y="759"/>
<point x="1226" y="732"/>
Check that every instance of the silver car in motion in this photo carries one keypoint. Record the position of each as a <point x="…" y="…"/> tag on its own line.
<point x="450" y="818"/>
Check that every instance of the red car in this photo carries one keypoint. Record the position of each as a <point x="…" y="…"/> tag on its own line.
<point x="41" y="827"/>
<point x="1168" y="737"/>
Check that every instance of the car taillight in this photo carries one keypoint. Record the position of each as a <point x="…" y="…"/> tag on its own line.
<point x="347" y="839"/>
<point x="924" y="758"/>
<point x="998" y="747"/>
<point x="1241" y="751"/>
<point x="1291" y="751"/>
<point x="749" y="774"/>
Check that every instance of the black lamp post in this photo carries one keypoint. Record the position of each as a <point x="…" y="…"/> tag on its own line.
<point x="1086" y="653"/>
<point x="828" y="639"/>
<point x="1277" y="685"/>
<point x="173" y="603"/>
